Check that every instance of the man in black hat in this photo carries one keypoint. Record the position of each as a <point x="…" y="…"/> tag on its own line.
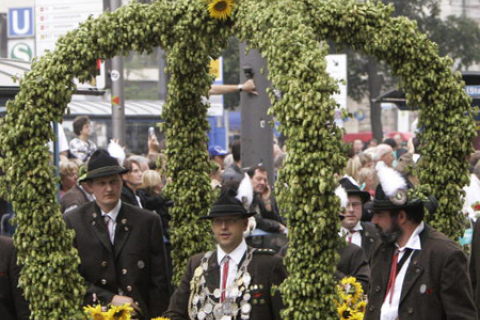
<point x="234" y="281"/>
<point x="417" y="272"/>
<point x="360" y="233"/>
<point x="120" y="246"/>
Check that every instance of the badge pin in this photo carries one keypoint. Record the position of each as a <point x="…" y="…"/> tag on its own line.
<point x="423" y="288"/>
<point x="141" y="264"/>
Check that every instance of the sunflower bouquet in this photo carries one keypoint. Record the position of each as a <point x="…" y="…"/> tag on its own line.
<point x="351" y="305"/>
<point x="113" y="313"/>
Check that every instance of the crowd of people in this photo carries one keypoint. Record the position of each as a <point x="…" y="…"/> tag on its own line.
<point x="114" y="203"/>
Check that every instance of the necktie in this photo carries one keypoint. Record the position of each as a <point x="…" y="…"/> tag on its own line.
<point x="226" y="264"/>
<point x="350" y="236"/>
<point x="109" y="224"/>
<point x="393" y="276"/>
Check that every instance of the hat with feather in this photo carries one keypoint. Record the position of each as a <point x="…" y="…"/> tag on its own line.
<point x="391" y="193"/>
<point x="235" y="200"/>
<point x="352" y="189"/>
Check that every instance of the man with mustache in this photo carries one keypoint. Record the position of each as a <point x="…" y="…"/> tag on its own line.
<point x="121" y="246"/>
<point x="417" y="272"/>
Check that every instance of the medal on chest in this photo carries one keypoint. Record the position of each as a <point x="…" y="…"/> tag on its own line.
<point x="206" y="305"/>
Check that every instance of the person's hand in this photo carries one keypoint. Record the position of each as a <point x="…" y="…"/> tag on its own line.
<point x="121" y="300"/>
<point x="281" y="228"/>
<point x="266" y="194"/>
<point x="249" y="86"/>
<point x="153" y="145"/>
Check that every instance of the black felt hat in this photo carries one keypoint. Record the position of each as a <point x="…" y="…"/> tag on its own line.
<point x="102" y="164"/>
<point x="392" y="192"/>
<point x="227" y="205"/>
<point x="353" y="190"/>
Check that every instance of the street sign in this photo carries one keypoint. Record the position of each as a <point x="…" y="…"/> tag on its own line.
<point x="216" y="69"/>
<point x="54" y="18"/>
<point x="20" y="22"/>
<point x="21" y="49"/>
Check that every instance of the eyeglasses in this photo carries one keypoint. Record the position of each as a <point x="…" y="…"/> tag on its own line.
<point x="354" y="205"/>
<point x="227" y="221"/>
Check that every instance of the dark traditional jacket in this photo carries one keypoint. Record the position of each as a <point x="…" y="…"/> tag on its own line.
<point x="266" y="270"/>
<point x="135" y="264"/>
<point x="475" y="265"/>
<point x="12" y="303"/>
<point x="370" y="238"/>
<point x="436" y="284"/>
<point x="268" y="221"/>
<point x="353" y="263"/>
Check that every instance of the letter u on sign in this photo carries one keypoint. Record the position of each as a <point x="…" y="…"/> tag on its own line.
<point x="20" y="22"/>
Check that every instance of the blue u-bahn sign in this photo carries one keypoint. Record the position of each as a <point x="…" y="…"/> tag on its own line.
<point x="20" y="22"/>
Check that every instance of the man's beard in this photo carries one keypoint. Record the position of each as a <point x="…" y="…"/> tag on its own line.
<point x="390" y="236"/>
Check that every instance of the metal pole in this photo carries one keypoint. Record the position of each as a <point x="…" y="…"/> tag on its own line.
<point x="257" y="131"/>
<point x="118" y="95"/>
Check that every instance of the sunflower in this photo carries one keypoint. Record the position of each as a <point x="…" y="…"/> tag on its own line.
<point x="220" y="9"/>
<point x="120" y="312"/>
<point x="361" y="307"/>
<point x="95" y="313"/>
<point x="349" y="289"/>
<point x="345" y="312"/>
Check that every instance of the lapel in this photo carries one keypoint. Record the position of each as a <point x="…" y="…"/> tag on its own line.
<point x="415" y="269"/>
<point x="121" y="231"/>
<point x="98" y="226"/>
<point x="213" y="273"/>
<point x="385" y="266"/>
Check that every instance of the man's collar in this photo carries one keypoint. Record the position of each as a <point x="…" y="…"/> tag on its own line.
<point x="114" y="213"/>
<point x="414" y="240"/>
<point x="357" y="227"/>
<point x="236" y="255"/>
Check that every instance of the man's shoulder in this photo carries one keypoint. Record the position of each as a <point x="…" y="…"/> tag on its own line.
<point x="139" y="213"/>
<point x="369" y="228"/>
<point x="80" y="211"/>
<point x="435" y="240"/>
<point x="266" y="257"/>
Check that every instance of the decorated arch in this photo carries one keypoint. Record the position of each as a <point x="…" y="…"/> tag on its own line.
<point x="292" y="36"/>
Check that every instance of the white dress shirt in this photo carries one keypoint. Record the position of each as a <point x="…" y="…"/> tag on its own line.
<point x="235" y="259"/>
<point x="356" y="236"/>
<point x="390" y="310"/>
<point x="112" y="223"/>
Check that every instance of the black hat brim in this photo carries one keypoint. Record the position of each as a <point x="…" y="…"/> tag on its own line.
<point x="104" y="172"/>
<point x="365" y="196"/>
<point x="227" y="210"/>
<point x="380" y="205"/>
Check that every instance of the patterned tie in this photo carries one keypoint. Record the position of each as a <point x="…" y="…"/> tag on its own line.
<point x="109" y="224"/>
<point x="226" y="264"/>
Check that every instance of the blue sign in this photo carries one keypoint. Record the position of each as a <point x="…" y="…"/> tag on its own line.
<point x="473" y="91"/>
<point x="20" y="22"/>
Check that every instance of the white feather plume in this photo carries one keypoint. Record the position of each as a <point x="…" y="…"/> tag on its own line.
<point x="116" y="151"/>
<point x="341" y="193"/>
<point x="390" y="179"/>
<point x="245" y="192"/>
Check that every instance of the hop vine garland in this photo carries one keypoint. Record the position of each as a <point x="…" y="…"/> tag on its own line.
<point x="286" y="33"/>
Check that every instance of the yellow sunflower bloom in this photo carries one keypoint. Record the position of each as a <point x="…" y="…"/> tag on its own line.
<point x="95" y="313"/>
<point x="220" y="9"/>
<point x="361" y="307"/>
<point x="120" y="312"/>
<point x="350" y="289"/>
<point x="345" y="312"/>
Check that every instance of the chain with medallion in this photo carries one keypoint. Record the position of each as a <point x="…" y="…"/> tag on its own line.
<point x="206" y="305"/>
